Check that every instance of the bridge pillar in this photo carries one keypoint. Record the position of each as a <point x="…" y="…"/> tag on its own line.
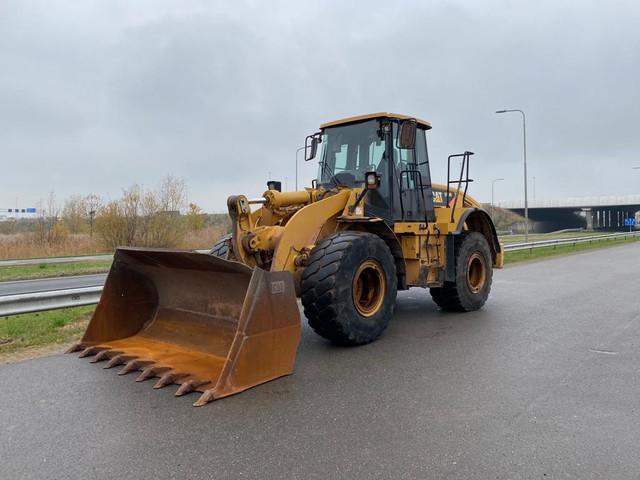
<point x="589" y="215"/>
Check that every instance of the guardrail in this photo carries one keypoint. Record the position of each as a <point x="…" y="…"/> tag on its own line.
<point x="512" y="247"/>
<point x="51" y="300"/>
<point x="75" y="297"/>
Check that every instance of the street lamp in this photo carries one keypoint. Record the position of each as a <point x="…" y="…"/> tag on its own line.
<point x="524" y="143"/>
<point x="493" y="182"/>
<point x="298" y="150"/>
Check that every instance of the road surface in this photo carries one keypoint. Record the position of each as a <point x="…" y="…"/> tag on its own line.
<point x="542" y="383"/>
<point x="40" y="261"/>
<point x="46" y="284"/>
<point x="53" y="260"/>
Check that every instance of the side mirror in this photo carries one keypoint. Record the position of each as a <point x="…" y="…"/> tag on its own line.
<point x="311" y="146"/>
<point x="274" y="185"/>
<point x="407" y="134"/>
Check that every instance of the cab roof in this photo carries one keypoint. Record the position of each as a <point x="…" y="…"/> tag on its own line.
<point x="343" y="121"/>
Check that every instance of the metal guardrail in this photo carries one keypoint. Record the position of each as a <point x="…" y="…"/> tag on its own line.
<point x="74" y="297"/>
<point x="51" y="300"/>
<point x="512" y="247"/>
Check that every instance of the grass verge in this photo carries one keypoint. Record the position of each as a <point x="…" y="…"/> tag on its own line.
<point x="21" y="334"/>
<point x="48" y="270"/>
<point x="552" y="251"/>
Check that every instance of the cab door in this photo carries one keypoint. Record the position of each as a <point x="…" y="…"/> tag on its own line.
<point x="413" y="197"/>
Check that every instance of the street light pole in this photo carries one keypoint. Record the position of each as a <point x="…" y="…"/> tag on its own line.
<point x="524" y="144"/>
<point x="298" y="150"/>
<point x="493" y="182"/>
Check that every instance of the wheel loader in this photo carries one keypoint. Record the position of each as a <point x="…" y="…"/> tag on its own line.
<point x="371" y="223"/>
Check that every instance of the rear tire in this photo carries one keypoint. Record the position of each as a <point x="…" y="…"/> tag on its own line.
<point x="349" y="288"/>
<point x="222" y="247"/>
<point x="474" y="275"/>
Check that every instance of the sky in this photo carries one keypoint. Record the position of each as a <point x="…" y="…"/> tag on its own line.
<point x="96" y="96"/>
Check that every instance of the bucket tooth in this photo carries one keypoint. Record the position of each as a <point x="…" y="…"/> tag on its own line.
<point x="189" y="386"/>
<point x="101" y="356"/>
<point x="132" y="365"/>
<point x="205" y="398"/>
<point x="87" y="352"/>
<point x="75" y="348"/>
<point x="117" y="360"/>
<point x="168" y="378"/>
<point x="150" y="372"/>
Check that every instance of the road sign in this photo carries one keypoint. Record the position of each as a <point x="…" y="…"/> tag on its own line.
<point x="629" y="222"/>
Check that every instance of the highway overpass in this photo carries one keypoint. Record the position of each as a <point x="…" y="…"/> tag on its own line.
<point x="593" y="213"/>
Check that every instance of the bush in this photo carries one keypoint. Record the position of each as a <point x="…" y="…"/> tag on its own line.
<point x="146" y="218"/>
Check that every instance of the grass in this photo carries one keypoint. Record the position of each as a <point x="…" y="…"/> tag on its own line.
<point x="31" y="330"/>
<point x="48" y="270"/>
<point x="25" y="245"/>
<point x="552" y="251"/>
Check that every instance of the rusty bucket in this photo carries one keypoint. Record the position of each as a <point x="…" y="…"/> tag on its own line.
<point x="210" y="325"/>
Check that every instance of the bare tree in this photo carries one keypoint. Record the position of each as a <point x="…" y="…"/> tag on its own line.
<point x="49" y="230"/>
<point x="74" y="213"/>
<point x="145" y="217"/>
<point x="93" y="203"/>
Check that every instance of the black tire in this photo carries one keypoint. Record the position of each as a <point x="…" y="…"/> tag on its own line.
<point x="471" y="288"/>
<point x="349" y="288"/>
<point x="222" y="247"/>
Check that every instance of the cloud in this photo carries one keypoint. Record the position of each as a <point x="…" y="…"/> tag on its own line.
<point x="96" y="96"/>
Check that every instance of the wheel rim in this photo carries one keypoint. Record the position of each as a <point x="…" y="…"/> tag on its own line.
<point x="476" y="272"/>
<point x="368" y="288"/>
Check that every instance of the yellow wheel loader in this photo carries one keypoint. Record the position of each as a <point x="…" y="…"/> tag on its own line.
<point x="372" y="223"/>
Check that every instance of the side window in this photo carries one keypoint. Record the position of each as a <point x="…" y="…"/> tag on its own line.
<point x="407" y="162"/>
<point x="422" y="157"/>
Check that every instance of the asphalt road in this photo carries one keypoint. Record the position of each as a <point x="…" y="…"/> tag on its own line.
<point x="40" y="261"/>
<point x="542" y="383"/>
<point x="46" y="284"/>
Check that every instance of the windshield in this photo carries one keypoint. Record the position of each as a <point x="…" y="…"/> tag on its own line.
<point x="349" y="151"/>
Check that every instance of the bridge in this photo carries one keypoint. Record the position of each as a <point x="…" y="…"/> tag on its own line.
<point x="606" y="212"/>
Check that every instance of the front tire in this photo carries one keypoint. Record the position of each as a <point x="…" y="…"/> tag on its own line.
<point x="474" y="275"/>
<point x="349" y="288"/>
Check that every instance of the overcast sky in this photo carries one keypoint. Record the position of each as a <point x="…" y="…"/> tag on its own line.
<point x="96" y="96"/>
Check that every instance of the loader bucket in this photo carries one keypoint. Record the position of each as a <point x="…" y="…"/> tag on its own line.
<point x="210" y="325"/>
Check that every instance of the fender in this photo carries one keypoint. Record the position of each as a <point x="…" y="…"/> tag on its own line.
<point x="304" y="227"/>
<point x="478" y="220"/>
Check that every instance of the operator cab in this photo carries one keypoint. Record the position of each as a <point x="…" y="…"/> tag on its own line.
<point x="391" y="145"/>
